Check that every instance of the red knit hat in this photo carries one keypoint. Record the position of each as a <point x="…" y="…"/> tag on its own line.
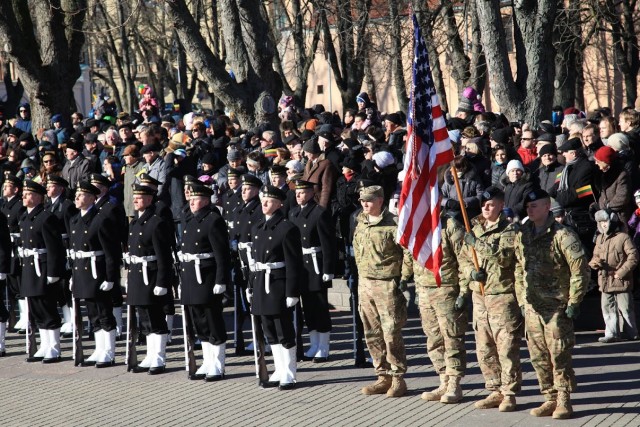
<point x="605" y="154"/>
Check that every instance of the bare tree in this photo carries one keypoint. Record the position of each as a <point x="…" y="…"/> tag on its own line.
<point x="44" y="39"/>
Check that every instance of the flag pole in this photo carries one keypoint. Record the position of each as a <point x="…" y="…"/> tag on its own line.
<point x="465" y="217"/>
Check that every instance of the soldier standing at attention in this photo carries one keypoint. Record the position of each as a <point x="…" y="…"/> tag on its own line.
<point x="496" y="314"/>
<point x="443" y="315"/>
<point x="552" y="274"/>
<point x="382" y="264"/>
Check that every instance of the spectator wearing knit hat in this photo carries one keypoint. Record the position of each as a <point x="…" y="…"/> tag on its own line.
<point x="620" y="143"/>
<point x="612" y="184"/>
<point x="516" y="183"/>
<point x="548" y="170"/>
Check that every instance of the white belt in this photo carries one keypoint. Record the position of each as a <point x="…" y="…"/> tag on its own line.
<point x="35" y="253"/>
<point x="267" y="267"/>
<point x="246" y="246"/>
<point x="195" y="257"/>
<point x="87" y="254"/>
<point x="314" y="256"/>
<point x="144" y="260"/>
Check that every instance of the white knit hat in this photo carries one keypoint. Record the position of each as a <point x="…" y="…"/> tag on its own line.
<point x="383" y="159"/>
<point x="618" y="141"/>
<point x="514" y="164"/>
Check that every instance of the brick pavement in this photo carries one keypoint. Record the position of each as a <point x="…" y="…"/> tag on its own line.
<point x="33" y="394"/>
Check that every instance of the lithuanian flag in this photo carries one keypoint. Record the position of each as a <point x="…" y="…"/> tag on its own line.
<point x="558" y="178"/>
<point x="585" y="191"/>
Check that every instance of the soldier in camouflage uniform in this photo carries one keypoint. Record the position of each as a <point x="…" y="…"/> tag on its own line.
<point x="551" y="279"/>
<point x="496" y="316"/>
<point x="444" y="319"/>
<point x="382" y="264"/>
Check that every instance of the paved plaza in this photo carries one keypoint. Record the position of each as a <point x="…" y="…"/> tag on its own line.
<point x="33" y="394"/>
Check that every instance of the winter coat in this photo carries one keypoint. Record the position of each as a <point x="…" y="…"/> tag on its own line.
<point x="545" y="177"/>
<point x="515" y="192"/>
<point x="614" y="253"/>
<point x="472" y="189"/>
<point x="615" y="191"/>
<point x="580" y="175"/>
<point x="497" y="170"/>
<point x="324" y="175"/>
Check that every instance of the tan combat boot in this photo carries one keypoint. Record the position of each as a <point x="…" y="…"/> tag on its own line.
<point x="491" y="401"/>
<point x="563" y="409"/>
<point x="544" y="410"/>
<point x="508" y="404"/>
<point x="398" y="387"/>
<point x="379" y="387"/>
<point x="435" y="395"/>
<point x="454" y="391"/>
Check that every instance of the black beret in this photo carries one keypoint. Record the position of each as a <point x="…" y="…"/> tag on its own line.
<point x="491" y="193"/>
<point x="394" y="118"/>
<point x="548" y="149"/>
<point x="537" y="194"/>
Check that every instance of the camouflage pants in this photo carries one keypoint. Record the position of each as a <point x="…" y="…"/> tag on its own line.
<point x="383" y="310"/>
<point x="497" y="321"/>
<point x="444" y="328"/>
<point x="550" y="339"/>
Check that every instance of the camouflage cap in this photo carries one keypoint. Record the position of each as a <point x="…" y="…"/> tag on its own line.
<point x="371" y="193"/>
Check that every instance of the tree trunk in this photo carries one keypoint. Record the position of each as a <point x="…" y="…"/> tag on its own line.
<point x="566" y="40"/>
<point x="397" y="69"/>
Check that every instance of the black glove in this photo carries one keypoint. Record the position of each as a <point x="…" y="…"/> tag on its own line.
<point x="453" y="204"/>
<point x="403" y="285"/>
<point x="593" y="208"/>
<point x="461" y="302"/>
<point x="479" y="275"/>
<point x="470" y="238"/>
<point x="573" y="311"/>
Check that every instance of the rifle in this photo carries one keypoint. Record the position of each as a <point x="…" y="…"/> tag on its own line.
<point x="258" y="352"/>
<point x="189" y="343"/>
<point x="353" y="315"/>
<point x="30" y="333"/>
<point x="132" y="332"/>
<point x="78" y="329"/>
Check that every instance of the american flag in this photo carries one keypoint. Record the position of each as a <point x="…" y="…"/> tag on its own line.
<point x="428" y="147"/>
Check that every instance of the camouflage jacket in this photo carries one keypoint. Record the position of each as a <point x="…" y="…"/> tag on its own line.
<point x="376" y="252"/>
<point x="494" y="248"/>
<point x="551" y="267"/>
<point x="452" y="235"/>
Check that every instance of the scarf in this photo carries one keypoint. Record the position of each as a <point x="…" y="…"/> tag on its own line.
<point x="564" y="177"/>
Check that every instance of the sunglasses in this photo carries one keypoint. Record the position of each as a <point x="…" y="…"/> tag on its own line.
<point x="47" y="161"/>
<point x="23" y="111"/>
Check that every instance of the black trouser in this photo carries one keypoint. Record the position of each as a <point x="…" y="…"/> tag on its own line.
<point x="64" y="298"/>
<point x="152" y="319"/>
<point x="43" y="310"/>
<point x="100" y="311"/>
<point x="208" y="323"/>
<point x="278" y="329"/>
<point x="13" y="281"/>
<point x="4" y="313"/>
<point x="356" y="321"/>
<point x="316" y="310"/>
<point x="116" y="294"/>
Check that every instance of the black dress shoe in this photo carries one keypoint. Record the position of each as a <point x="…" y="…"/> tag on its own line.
<point x="197" y="377"/>
<point x="269" y="384"/>
<point x="241" y="351"/>
<point x="21" y="331"/>
<point x="320" y="359"/>
<point x="139" y="369"/>
<point x="34" y="359"/>
<point x="105" y="364"/>
<point x="157" y="370"/>
<point x="212" y="378"/>
<point x="67" y="335"/>
<point x="288" y="386"/>
<point x="52" y="360"/>
<point x="89" y="362"/>
<point x="3" y="353"/>
<point x="79" y="363"/>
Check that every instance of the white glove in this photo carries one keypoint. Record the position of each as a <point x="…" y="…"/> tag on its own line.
<point x="234" y="245"/>
<point x="291" y="301"/>
<point x="106" y="286"/>
<point x="249" y="295"/>
<point x="218" y="289"/>
<point x="3" y="276"/>
<point x="158" y="291"/>
<point x="327" y="277"/>
<point x="71" y="284"/>
<point x="51" y="280"/>
<point x="179" y="291"/>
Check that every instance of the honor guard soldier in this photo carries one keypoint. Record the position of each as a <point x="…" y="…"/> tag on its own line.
<point x="95" y="253"/>
<point x="185" y="211"/>
<point x="64" y="209"/>
<point x="274" y="292"/>
<point x="382" y="265"/>
<point x="249" y="214"/>
<point x="552" y="274"/>
<point x="319" y="253"/>
<point x="204" y="273"/>
<point x="5" y="264"/>
<point x="43" y="264"/>
<point x="497" y="319"/>
<point x="232" y="198"/>
<point x="12" y="210"/>
<point x="278" y="177"/>
<point x="107" y="206"/>
<point x="150" y="271"/>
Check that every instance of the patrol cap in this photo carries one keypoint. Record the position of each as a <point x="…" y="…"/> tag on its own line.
<point x="273" y="192"/>
<point x="98" y="179"/>
<point x="304" y="185"/>
<point x="278" y="170"/>
<point x="87" y="187"/>
<point x="235" y="173"/>
<point x="13" y="180"/>
<point x="365" y="183"/>
<point x="144" y="190"/>
<point x="371" y="193"/>
<point x="535" y="195"/>
<point x="33" y="187"/>
<point x="149" y="181"/>
<point x="491" y="193"/>
<point x="252" y="180"/>
<point x="58" y="180"/>
<point x="571" y="144"/>
<point x="201" y="190"/>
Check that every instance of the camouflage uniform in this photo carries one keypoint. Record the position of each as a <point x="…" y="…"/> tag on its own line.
<point x="442" y="324"/>
<point x="382" y="306"/>
<point x="551" y="272"/>
<point x="497" y="319"/>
